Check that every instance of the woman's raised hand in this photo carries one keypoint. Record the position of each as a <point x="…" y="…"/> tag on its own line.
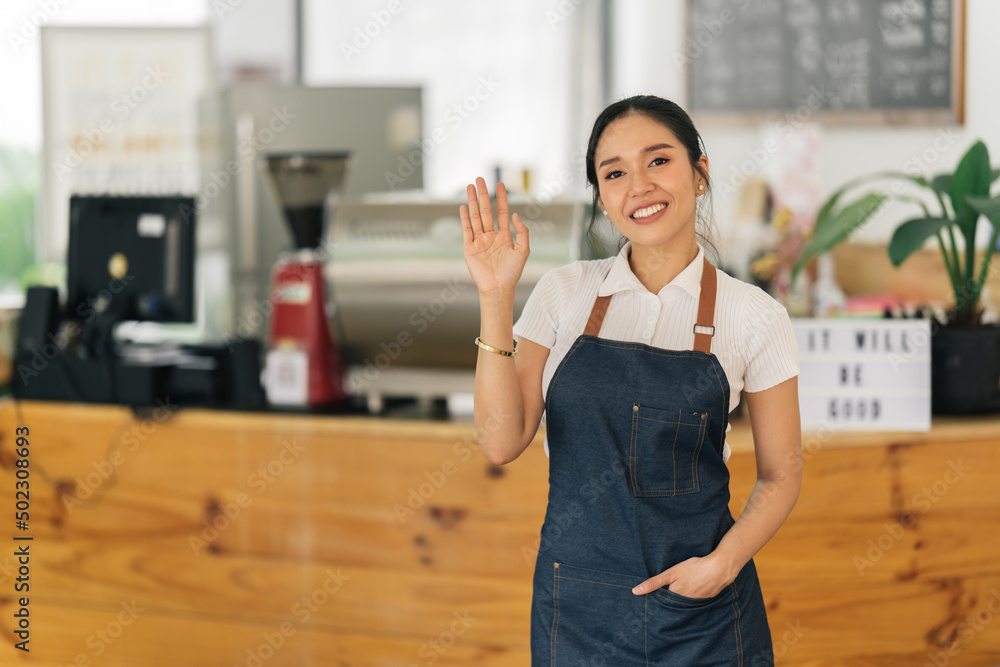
<point x="495" y="261"/>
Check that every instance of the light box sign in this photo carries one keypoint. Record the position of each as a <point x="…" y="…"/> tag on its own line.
<point x="864" y="375"/>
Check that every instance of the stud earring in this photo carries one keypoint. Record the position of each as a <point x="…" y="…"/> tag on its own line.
<point x="701" y="186"/>
<point x="605" y="214"/>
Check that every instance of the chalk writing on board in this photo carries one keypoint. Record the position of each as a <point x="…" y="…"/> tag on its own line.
<point x="855" y="55"/>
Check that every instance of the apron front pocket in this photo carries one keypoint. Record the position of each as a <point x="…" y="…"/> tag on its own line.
<point x="695" y="631"/>
<point x="596" y="615"/>
<point x="664" y="449"/>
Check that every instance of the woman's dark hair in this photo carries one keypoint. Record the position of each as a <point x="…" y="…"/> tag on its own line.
<point x="677" y="121"/>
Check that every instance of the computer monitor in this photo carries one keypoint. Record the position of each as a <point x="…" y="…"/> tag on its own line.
<point x="131" y="258"/>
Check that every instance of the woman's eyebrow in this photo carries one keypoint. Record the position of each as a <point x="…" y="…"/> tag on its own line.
<point x="648" y="149"/>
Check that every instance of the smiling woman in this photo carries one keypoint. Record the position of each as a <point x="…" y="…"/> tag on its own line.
<point x="667" y="150"/>
<point x="649" y="191"/>
<point x="636" y="362"/>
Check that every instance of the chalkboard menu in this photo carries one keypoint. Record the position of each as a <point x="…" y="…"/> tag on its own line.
<point x="892" y="60"/>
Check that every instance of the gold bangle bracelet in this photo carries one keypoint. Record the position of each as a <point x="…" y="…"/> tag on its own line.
<point x="497" y="350"/>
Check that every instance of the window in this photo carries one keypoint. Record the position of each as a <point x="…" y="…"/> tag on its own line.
<point x="504" y="84"/>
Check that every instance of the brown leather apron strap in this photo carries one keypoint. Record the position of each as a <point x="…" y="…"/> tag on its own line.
<point x="596" y="318"/>
<point x="706" y="312"/>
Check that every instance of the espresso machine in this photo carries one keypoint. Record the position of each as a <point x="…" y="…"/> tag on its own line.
<point x="303" y="366"/>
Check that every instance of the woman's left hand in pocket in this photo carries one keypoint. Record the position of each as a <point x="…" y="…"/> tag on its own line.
<point x="698" y="577"/>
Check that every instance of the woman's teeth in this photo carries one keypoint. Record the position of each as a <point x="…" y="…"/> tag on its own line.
<point x="648" y="211"/>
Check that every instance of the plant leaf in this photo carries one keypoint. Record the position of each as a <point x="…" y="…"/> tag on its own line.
<point x="942" y="183"/>
<point x="838" y="227"/>
<point x="825" y="213"/>
<point x="986" y="206"/>
<point x="909" y="237"/>
<point x="972" y="177"/>
<point x="913" y="200"/>
<point x="966" y="222"/>
<point x="991" y="209"/>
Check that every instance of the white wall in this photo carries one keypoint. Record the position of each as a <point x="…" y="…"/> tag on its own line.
<point x="535" y="118"/>
<point x="525" y="118"/>
<point x="648" y="34"/>
<point x="20" y="53"/>
<point x="258" y="34"/>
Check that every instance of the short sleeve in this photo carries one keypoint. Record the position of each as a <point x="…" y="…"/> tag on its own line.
<point x="539" y="318"/>
<point x="769" y="346"/>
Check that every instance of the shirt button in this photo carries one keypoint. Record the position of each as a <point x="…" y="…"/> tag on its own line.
<point x="651" y="319"/>
<point x="647" y="334"/>
<point x="656" y="305"/>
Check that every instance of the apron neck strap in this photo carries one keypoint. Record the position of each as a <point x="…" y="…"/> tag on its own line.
<point x="706" y="311"/>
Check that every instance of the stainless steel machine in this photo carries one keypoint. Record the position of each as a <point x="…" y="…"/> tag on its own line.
<point x="403" y="307"/>
<point x="238" y="210"/>
<point x="407" y="310"/>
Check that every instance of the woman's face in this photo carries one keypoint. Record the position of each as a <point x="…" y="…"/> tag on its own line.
<point x="646" y="182"/>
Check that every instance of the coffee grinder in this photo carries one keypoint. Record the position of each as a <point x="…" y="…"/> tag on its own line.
<point x="303" y="363"/>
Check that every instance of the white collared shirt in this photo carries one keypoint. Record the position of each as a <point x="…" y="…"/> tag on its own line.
<point x="753" y="340"/>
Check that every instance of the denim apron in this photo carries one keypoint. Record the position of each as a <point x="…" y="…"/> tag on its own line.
<point x="637" y="484"/>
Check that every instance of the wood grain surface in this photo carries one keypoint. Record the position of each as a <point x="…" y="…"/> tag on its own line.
<point x="213" y="538"/>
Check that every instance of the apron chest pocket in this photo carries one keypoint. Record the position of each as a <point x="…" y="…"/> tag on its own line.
<point x="664" y="449"/>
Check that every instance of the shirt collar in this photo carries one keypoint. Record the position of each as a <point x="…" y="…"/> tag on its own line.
<point x="621" y="277"/>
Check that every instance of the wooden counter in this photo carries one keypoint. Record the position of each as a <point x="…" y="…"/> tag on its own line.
<point x="206" y="538"/>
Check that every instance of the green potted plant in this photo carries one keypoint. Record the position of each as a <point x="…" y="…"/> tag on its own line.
<point x="965" y="353"/>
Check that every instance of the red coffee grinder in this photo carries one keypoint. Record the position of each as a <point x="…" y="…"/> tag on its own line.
<point x="303" y="363"/>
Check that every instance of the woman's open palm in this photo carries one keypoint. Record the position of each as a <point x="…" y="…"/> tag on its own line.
<point x="495" y="261"/>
